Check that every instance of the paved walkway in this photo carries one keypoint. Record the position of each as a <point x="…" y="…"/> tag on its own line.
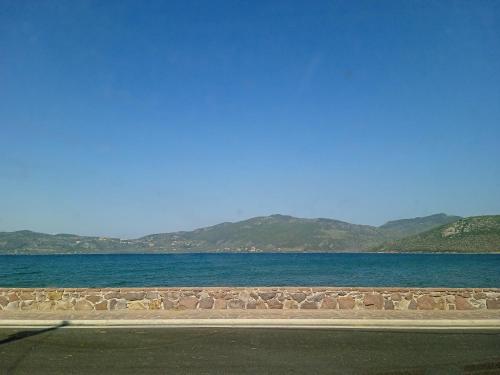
<point x="488" y="319"/>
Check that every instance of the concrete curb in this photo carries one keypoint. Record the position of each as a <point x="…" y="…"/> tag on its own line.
<point x="378" y="324"/>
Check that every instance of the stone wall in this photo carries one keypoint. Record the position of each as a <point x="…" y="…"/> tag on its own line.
<point x="46" y="299"/>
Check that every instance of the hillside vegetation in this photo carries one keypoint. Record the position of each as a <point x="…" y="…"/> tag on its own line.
<point x="472" y="234"/>
<point x="277" y="233"/>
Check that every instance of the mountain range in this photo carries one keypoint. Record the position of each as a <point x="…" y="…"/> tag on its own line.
<point x="281" y="233"/>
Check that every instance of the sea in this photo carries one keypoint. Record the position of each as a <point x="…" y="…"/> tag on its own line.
<point x="251" y="269"/>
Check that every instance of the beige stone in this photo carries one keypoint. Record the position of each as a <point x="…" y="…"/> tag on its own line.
<point x="54" y="295"/>
<point x="290" y="304"/>
<point x="94" y="298"/>
<point x="220" y="304"/>
<point x="101" y="305"/>
<point x="136" y="305"/>
<point x="45" y="306"/>
<point x="83" y="304"/>
<point x="154" y="304"/>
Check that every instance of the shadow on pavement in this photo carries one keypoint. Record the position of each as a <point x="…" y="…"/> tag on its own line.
<point x="25" y="334"/>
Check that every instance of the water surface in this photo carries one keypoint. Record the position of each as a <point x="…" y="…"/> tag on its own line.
<point x="344" y="269"/>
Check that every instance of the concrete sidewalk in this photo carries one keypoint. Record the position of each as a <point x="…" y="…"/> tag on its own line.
<point x="353" y="319"/>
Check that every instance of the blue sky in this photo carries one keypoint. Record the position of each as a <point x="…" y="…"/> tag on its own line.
<point x="131" y="117"/>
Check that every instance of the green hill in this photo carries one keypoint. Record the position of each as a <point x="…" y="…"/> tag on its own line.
<point x="472" y="234"/>
<point x="407" y="227"/>
<point x="276" y="233"/>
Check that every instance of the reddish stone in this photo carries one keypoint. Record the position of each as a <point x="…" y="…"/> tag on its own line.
<point x="373" y="301"/>
<point x="206" y="303"/>
<point x="187" y="303"/>
<point x="329" y="303"/>
<point x="134" y="296"/>
<point x="346" y="303"/>
<point x="493" y="304"/>
<point x="462" y="303"/>
<point x="426" y="303"/>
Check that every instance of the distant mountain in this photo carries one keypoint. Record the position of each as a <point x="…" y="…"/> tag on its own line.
<point x="472" y="234"/>
<point x="276" y="233"/>
<point x="273" y="233"/>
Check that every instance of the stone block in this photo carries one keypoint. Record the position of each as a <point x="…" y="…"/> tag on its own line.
<point x="309" y="305"/>
<point x="117" y="304"/>
<point x="274" y="304"/>
<point x="290" y="305"/>
<point x="55" y="295"/>
<point x="83" y="304"/>
<point x="136" y="305"/>
<point x="493" y="304"/>
<point x="299" y="297"/>
<point x="461" y="303"/>
<point x="388" y="305"/>
<point x="168" y="304"/>
<point x="152" y="295"/>
<point x="346" y="303"/>
<point x="206" y="303"/>
<point x="267" y="295"/>
<point x="45" y="305"/>
<point x="94" y="298"/>
<point x="426" y="303"/>
<point x="329" y="303"/>
<point x="236" y="304"/>
<point x="373" y="301"/>
<point x="187" y="303"/>
<point x="101" y="306"/>
<point x="220" y="304"/>
<point x="133" y="296"/>
<point x="3" y="301"/>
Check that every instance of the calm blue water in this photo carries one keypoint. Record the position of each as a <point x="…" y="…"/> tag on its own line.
<point x="410" y="270"/>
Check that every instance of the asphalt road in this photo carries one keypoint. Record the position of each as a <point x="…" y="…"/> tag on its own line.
<point x="240" y="351"/>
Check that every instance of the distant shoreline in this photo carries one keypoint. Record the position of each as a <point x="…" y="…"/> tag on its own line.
<point x="266" y="252"/>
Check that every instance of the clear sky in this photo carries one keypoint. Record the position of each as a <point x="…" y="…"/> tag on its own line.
<point x="130" y="117"/>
